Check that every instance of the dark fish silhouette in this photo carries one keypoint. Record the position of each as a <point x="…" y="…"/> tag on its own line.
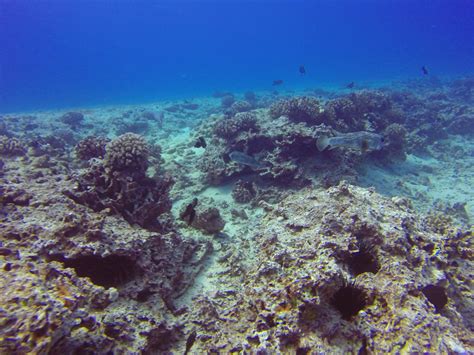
<point x="302" y="70"/>
<point x="277" y="82"/>
<point x="350" y="85"/>
<point x="200" y="143"/>
<point x="189" y="213"/>
<point x="190" y="342"/>
<point x="424" y="69"/>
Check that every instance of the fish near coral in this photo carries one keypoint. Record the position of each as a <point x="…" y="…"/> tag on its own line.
<point x="189" y="213"/>
<point x="244" y="159"/>
<point x="363" y="141"/>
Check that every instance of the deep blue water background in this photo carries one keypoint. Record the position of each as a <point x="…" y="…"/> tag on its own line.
<point x="84" y="53"/>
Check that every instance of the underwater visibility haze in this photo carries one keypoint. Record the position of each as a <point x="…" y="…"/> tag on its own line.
<point x="252" y="177"/>
<point x="63" y="54"/>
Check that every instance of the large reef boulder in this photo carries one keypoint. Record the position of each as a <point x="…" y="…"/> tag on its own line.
<point x="75" y="280"/>
<point x="342" y="270"/>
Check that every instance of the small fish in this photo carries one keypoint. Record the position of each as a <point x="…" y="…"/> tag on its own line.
<point x="190" y="212"/>
<point x="277" y="82"/>
<point x="200" y="143"/>
<point x="424" y="69"/>
<point x="350" y="85"/>
<point x="302" y="70"/>
<point x="190" y="342"/>
<point x="363" y="141"/>
<point x="244" y="159"/>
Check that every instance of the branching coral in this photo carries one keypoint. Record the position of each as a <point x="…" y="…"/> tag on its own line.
<point x="118" y="183"/>
<point x="298" y="109"/>
<point x="230" y="128"/>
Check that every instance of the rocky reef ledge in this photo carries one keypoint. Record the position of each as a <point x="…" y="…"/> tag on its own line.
<point x="327" y="270"/>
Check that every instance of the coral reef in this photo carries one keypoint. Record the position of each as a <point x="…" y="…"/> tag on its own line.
<point x="76" y="280"/>
<point x="127" y="152"/>
<point x="91" y="147"/>
<point x="231" y="127"/>
<point x="101" y="252"/>
<point x="314" y="286"/>
<point x="244" y="191"/>
<point x="11" y="146"/>
<point x="299" y="109"/>
<point x="209" y="220"/>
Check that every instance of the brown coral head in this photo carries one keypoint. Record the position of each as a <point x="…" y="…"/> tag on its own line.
<point x="129" y="151"/>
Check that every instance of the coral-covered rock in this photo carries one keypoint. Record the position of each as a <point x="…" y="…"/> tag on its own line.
<point x="358" y="111"/>
<point x="395" y="143"/>
<point x="137" y="198"/>
<point x="91" y="147"/>
<point x="209" y="220"/>
<point x="337" y="263"/>
<point x="231" y="127"/>
<point x="11" y="146"/>
<point x="127" y="152"/>
<point x="299" y="109"/>
<point x="244" y="191"/>
<point x="241" y="106"/>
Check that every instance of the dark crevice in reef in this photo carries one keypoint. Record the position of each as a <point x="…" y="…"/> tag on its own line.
<point x="436" y="295"/>
<point x="349" y="300"/>
<point x="109" y="271"/>
<point x="365" y="260"/>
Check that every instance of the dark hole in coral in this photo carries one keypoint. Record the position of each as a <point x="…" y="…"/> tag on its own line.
<point x="112" y="330"/>
<point x="428" y="248"/>
<point x="269" y="319"/>
<point x="365" y="260"/>
<point x="289" y="339"/>
<point x="303" y="351"/>
<point x="111" y="271"/>
<point x="253" y="340"/>
<point x="436" y="295"/>
<point x="7" y="267"/>
<point x="161" y="339"/>
<point x="144" y="295"/>
<point x="349" y="300"/>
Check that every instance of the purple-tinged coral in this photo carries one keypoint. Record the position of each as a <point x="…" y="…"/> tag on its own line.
<point x="127" y="152"/>
<point x="11" y="146"/>
<point x="231" y="127"/>
<point x="139" y="199"/>
<point x="91" y="147"/>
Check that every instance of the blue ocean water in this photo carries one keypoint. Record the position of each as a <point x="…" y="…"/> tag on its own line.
<point x="64" y="53"/>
